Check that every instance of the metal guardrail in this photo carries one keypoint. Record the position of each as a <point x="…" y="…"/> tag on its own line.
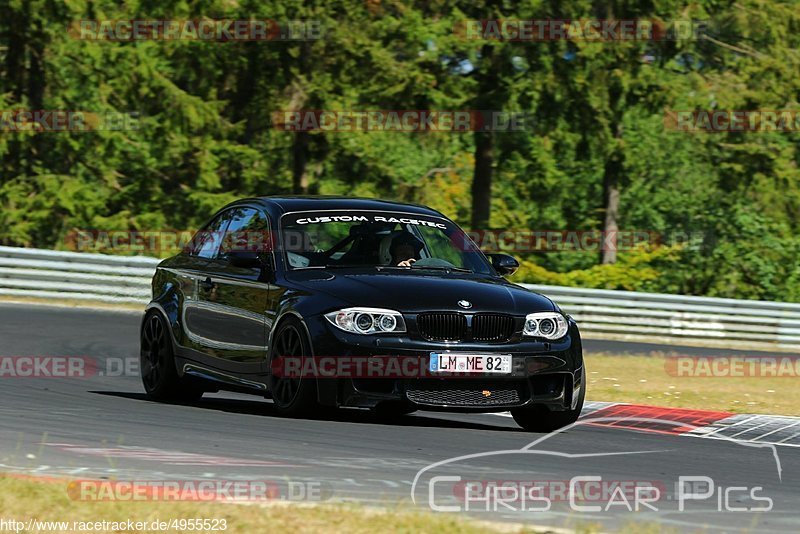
<point x="26" y="272"/>
<point x="656" y="317"/>
<point x="647" y="317"/>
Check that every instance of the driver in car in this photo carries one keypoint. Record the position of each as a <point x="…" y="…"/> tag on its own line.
<point x="405" y="249"/>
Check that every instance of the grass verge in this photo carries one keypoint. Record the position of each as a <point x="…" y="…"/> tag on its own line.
<point x="644" y="379"/>
<point x="25" y="498"/>
<point x="46" y="499"/>
<point x="74" y="303"/>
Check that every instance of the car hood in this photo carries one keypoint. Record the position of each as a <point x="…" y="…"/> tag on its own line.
<point x="422" y="292"/>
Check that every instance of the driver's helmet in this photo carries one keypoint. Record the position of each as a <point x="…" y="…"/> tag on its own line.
<point x="406" y="238"/>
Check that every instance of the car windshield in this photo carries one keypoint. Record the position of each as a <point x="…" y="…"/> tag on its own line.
<point x="387" y="240"/>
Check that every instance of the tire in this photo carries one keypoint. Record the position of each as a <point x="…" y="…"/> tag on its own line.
<point x="292" y="396"/>
<point x="157" y="364"/>
<point x="542" y="419"/>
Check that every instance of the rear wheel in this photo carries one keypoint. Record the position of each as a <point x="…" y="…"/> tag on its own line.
<point x="542" y="419"/>
<point x="292" y="395"/>
<point x="157" y="364"/>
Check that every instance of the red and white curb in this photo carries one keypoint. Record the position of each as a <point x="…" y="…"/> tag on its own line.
<point x="748" y="428"/>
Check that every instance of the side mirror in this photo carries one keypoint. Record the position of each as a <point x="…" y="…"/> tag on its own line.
<point x="244" y="258"/>
<point x="504" y="264"/>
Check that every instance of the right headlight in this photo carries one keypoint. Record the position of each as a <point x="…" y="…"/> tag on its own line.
<point x="367" y="320"/>
<point x="548" y="325"/>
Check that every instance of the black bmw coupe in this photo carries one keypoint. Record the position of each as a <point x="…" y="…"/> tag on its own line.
<point x="336" y="301"/>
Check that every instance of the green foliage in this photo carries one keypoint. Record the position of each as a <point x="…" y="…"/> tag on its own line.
<point x="204" y="134"/>
<point x="639" y="270"/>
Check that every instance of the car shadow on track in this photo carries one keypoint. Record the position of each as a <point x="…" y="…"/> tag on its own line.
<point x="347" y="415"/>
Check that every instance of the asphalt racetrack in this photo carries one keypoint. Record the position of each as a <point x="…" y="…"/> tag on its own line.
<point x="101" y="426"/>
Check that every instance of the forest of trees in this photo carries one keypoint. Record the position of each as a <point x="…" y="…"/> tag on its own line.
<point x="597" y="154"/>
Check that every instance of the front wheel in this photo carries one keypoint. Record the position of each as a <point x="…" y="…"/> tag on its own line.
<point x="542" y="419"/>
<point x="157" y="364"/>
<point x="291" y="395"/>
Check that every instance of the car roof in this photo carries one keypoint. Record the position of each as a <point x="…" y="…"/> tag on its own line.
<point x="287" y="204"/>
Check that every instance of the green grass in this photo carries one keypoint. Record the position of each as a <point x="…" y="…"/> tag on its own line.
<point x="48" y="500"/>
<point x="643" y="379"/>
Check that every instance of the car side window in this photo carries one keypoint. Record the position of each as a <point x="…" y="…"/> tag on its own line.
<point x="206" y="242"/>
<point x="248" y="230"/>
<point x="440" y="246"/>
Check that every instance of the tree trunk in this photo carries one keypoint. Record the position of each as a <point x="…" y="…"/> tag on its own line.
<point x="608" y="250"/>
<point x="13" y="82"/>
<point x="482" y="181"/>
<point x="298" y="99"/>
<point x="300" y="163"/>
<point x="246" y="89"/>
<point x="488" y="74"/>
<point x="36" y="87"/>
<point x="611" y="176"/>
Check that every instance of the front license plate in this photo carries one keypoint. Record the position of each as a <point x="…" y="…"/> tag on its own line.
<point x="447" y="362"/>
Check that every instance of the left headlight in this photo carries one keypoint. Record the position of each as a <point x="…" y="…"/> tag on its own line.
<point x="549" y="325"/>
<point x="367" y="320"/>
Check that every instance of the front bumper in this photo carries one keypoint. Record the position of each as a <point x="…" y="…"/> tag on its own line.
<point x="542" y="373"/>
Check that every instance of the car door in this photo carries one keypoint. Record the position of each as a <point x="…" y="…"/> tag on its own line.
<point x="234" y="299"/>
<point x="196" y="318"/>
